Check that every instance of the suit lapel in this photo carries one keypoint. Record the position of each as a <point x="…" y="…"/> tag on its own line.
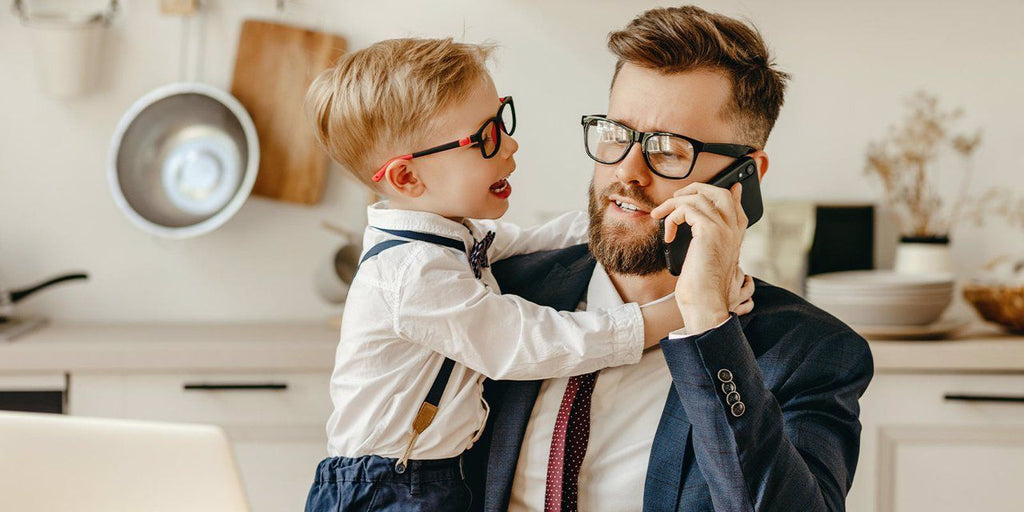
<point x="562" y="288"/>
<point x="668" y="453"/>
<point x="510" y="415"/>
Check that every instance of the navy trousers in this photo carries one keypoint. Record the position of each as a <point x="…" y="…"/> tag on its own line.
<point x="371" y="483"/>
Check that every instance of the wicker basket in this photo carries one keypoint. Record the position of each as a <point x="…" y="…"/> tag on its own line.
<point x="1002" y="304"/>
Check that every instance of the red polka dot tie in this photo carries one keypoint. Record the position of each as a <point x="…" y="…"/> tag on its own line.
<point x="569" y="445"/>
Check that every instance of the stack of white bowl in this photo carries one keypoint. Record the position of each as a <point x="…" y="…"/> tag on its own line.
<point x="882" y="297"/>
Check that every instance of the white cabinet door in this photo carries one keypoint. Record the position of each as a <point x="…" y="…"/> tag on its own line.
<point x="275" y="421"/>
<point x="940" y="443"/>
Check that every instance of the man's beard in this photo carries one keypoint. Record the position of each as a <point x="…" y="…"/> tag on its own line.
<point x="619" y="248"/>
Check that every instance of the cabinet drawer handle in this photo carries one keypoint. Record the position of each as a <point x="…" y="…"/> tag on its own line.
<point x="236" y="387"/>
<point x="985" y="398"/>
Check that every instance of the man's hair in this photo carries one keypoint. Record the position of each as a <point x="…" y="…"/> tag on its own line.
<point x="677" y="39"/>
<point x="385" y="98"/>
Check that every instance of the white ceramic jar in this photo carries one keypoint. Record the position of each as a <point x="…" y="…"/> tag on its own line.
<point x="923" y="255"/>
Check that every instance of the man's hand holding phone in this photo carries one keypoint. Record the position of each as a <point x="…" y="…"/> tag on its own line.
<point x="707" y="287"/>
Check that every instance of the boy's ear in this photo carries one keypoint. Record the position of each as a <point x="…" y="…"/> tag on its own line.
<point x="401" y="175"/>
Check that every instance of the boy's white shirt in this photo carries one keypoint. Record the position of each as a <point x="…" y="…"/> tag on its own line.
<point x="415" y="304"/>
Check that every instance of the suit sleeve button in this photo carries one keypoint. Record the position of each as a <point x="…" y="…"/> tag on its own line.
<point x="728" y="387"/>
<point x="738" y="409"/>
<point x="724" y="375"/>
<point x="732" y="398"/>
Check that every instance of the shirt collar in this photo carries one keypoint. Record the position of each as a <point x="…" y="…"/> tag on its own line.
<point x="381" y="215"/>
<point x="601" y="292"/>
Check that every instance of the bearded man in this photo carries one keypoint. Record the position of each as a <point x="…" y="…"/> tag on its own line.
<point x="730" y="413"/>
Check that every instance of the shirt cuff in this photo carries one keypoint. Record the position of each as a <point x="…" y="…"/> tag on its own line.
<point x="628" y="339"/>
<point x="680" y="334"/>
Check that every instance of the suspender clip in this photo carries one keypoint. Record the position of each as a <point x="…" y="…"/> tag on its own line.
<point x="423" y="419"/>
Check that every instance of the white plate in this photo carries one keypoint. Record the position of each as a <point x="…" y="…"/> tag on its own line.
<point x="878" y="280"/>
<point x="882" y="293"/>
<point x="877" y="299"/>
<point x="881" y="313"/>
<point x="936" y="331"/>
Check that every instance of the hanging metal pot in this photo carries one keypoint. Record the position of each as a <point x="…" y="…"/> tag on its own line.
<point x="183" y="160"/>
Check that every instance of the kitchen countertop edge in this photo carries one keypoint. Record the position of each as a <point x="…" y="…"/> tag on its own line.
<point x="258" y="347"/>
<point x="310" y="347"/>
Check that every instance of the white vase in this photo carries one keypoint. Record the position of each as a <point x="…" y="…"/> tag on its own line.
<point x="923" y="255"/>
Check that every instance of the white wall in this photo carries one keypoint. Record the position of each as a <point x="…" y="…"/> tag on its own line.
<point x="853" y="63"/>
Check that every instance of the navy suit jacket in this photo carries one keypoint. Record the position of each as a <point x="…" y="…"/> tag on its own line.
<point x="798" y="370"/>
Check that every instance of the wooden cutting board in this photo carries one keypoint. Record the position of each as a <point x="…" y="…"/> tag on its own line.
<point x="273" y="68"/>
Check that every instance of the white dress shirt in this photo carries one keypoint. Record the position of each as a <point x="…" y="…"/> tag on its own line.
<point x="415" y="304"/>
<point x="625" y="411"/>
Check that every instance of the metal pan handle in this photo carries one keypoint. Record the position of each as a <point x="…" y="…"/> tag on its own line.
<point x="17" y="295"/>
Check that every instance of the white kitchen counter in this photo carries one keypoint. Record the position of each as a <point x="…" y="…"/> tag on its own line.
<point x="146" y="347"/>
<point x="978" y="348"/>
<point x="310" y="347"/>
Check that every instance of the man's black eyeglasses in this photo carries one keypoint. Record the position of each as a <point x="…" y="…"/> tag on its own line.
<point x="668" y="155"/>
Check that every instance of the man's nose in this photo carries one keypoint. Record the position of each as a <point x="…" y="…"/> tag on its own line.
<point x="633" y="169"/>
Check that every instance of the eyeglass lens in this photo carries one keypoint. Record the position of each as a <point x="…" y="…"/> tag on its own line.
<point x="489" y="135"/>
<point x="609" y="142"/>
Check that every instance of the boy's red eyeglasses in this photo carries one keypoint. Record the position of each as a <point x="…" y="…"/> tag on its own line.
<point x="488" y="137"/>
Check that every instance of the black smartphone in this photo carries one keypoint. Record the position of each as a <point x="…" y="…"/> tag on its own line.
<point x="744" y="171"/>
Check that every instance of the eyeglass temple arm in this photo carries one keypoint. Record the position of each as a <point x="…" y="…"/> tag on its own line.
<point x="437" y="149"/>
<point x="380" y="172"/>
<point x="733" y="150"/>
<point x="445" y="147"/>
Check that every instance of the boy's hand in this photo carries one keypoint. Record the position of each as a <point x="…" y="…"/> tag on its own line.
<point x="741" y="293"/>
<point x="741" y="301"/>
<point x="661" y="319"/>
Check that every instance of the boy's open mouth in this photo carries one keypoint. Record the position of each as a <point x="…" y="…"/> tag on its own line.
<point x="502" y="188"/>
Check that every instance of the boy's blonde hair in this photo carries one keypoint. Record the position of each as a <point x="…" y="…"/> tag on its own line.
<point x="384" y="99"/>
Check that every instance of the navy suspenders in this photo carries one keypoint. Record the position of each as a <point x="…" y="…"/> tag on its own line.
<point x="422" y="237"/>
<point x="428" y="409"/>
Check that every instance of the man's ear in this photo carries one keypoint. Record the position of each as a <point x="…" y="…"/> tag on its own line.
<point x="761" y="161"/>
<point x="401" y="175"/>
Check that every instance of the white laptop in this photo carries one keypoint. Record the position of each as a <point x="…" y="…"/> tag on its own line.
<point x="56" y="463"/>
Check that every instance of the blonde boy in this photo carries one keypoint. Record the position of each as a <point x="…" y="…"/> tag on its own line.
<point x="420" y="122"/>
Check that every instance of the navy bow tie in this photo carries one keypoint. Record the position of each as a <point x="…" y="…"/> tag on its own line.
<point x="478" y="256"/>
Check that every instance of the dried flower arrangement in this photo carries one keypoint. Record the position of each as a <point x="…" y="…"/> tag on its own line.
<point x="1001" y="203"/>
<point x="904" y="163"/>
<point x="1006" y="205"/>
<point x="998" y="293"/>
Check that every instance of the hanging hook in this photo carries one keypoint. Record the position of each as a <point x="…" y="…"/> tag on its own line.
<point x="111" y="12"/>
<point x="18" y="11"/>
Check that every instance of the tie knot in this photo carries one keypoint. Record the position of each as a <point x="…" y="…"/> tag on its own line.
<point x="478" y="256"/>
